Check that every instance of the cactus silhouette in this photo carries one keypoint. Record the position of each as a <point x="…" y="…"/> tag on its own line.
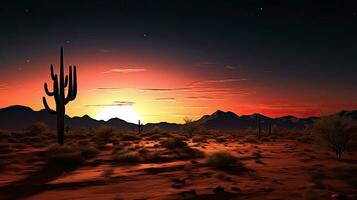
<point x="140" y="127"/>
<point x="259" y="126"/>
<point x="59" y="95"/>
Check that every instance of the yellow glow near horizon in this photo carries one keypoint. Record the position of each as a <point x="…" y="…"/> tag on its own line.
<point x="126" y="113"/>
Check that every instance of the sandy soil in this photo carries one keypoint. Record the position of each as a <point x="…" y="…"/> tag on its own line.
<point x="281" y="169"/>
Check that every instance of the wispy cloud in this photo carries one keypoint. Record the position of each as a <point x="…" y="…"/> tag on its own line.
<point x="125" y="70"/>
<point x="166" y="89"/>
<point x="167" y="99"/>
<point x="146" y="89"/>
<point x="206" y="63"/>
<point x="230" y="67"/>
<point x="114" y="103"/>
<point x="218" y="81"/>
<point x="206" y="98"/>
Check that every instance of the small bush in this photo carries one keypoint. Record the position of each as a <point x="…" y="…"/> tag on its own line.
<point x="173" y="143"/>
<point x="190" y="127"/>
<point x="250" y="139"/>
<point x="224" y="161"/>
<point x="37" y="128"/>
<point x="337" y="131"/>
<point x="199" y="139"/>
<point x="127" y="157"/>
<point x="221" y="139"/>
<point x="65" y="157"/>
<point x="88" y="151"/>
<point x="129" y="137"/>
<point x="104" y="134"/>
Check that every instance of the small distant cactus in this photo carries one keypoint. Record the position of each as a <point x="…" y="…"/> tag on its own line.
<point x="140" y="127"/>
<point x="269" y="129"/>
<point x="59" y="95"/>
<point x="259" y="126"/>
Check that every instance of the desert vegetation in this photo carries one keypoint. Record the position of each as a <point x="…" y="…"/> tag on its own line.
<point x="209" y="164"/>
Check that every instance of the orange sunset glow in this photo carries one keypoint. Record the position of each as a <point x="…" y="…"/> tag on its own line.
<point x="163" y="88"/>
<point x="178" y="100"/>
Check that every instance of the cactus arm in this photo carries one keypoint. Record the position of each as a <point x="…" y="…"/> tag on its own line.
<point x="52" y="73"/>
<point x="47" y="107"/>
<point x="48" y="91"/>
<point x="72" y="87"/>
<point x="74" y="93"/>
<point x="55" y="89"/>
<point x="66" y="81"/>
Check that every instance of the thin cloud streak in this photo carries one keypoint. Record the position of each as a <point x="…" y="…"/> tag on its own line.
<point x="125" y="70"/>
<point x="193" y="98"/>
<point x="169" y="99"/>
<point x="115" y="103"/>
<point x="218" y="81"/>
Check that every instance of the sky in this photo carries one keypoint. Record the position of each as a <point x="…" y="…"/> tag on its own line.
<point x="166" y="60"/>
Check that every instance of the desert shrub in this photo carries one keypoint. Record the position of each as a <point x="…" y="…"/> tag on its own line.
<point x="250" y="139"/>
<point x="190" y="127"/>
<point x="221" y="139"/>
<point x="129" y="137"/>
<point x="104" y="134"/>
<point x="337" y="131"/>
<point x="65" y="157"/>
<point x="127" y="157"/>
<point x="173" y="143"/>
<point x="88" y="151"/>
<point x="199" y="139"/>
<point x="224" y="161"/>
<point x="37" y="128"/>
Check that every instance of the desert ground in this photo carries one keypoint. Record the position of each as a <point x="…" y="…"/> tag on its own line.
<point x="103" y="163"/>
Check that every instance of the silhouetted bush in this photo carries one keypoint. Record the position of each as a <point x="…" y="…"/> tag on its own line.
<point x="126" y="156"/>
<point x="129" y="137"/>
<point x="104" y="134"/>
<point x="199" y="139"/>
<point x="173" y="143"/>
<point x="64" y="157"/>
<point x="223" y="160"/>
<point x="37" y="128"/>
<point x="337" y="131"/>
<point x="190" y="127"/>
<point x="67" y="157"/>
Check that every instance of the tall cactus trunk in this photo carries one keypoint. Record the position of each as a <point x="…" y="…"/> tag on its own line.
<point x="259" y="127"/>
<point x="58" y="93"/>
<point x="60" y="126"/>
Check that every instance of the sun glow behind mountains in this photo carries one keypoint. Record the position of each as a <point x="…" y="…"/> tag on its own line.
<point x="126" y="112"/>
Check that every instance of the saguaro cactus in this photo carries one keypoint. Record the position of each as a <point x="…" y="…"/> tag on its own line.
<point x="59" y="95"/>
<point x="140" y="127"/>
<point x="258" y="124"/>
<point x="269" y="129"/>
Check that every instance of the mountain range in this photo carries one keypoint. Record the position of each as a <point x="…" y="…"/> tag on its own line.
<point x="21" y="117"/>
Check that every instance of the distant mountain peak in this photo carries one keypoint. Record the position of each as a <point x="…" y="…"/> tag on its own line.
<point x="222" y="113"/>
